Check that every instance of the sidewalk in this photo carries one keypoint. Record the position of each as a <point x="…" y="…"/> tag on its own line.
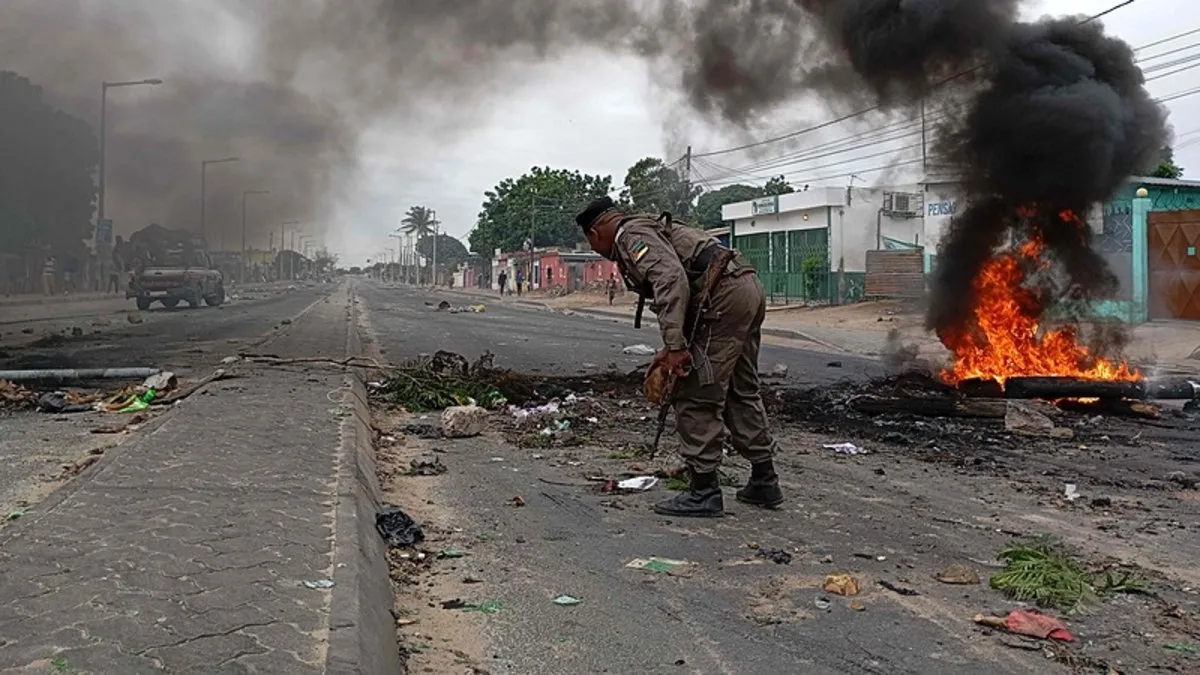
<point x="39" y="299"/>
<point x="187" y="549"/>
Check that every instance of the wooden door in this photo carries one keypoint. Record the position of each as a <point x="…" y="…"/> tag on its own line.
<point x="1174" y="265"/>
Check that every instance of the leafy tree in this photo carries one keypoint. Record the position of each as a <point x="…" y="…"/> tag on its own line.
<point x="48" y="163"/>
<point x="708" y="206"/>
<point x="539" y="205"/>
<point x="324" y="261"/>
<point x="777" y="186"/>
<point x="450" y="251"/>
<point x="1167" y="168"/>
<point x="653" y="187"/>
<point x="419" y="222"/>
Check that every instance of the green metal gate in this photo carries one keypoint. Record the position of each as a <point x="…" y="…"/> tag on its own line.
<point x="792" y="265"/>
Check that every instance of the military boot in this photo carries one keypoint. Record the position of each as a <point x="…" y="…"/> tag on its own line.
<point x="763" y="487"/>
<point x="702" y="499"/>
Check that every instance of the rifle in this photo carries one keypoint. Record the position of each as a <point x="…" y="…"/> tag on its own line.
<point x="712" y="276"/>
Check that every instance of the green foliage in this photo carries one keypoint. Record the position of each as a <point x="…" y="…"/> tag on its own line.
<point x="653" y="187"/>
<point x="1038" y="571"/>
<point x="418" y="222"/>
<point x="47" y="183"/>
<point x="708" y="206"/>
<point x="1167" y="168"/>
<point x="450" y="251"/>
<point x="540" y="204"/>
<point x="813" y="272"/>
<point x="420" y="389"/>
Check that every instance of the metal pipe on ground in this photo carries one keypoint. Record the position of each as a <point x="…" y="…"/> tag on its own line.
<point x="60" y="376"/>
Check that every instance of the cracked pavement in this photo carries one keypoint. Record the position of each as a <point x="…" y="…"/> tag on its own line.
<point x="187" y="549"/>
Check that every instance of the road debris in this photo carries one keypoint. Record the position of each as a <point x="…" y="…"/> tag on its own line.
<point x="426" y="432"/>
<point x="441" y="381"/>
<point x="123" y="426"/>
<point x="517" y="501"/>
<point x="15" y="396"/>
<point x="60" y="402"/>
<point x="397" y="528"/>
<point x="778" y="372"/>
<point x="1038" y="571"/>
<point x="566" y="601"/>
<point x="958" y="574"/>
<point x="427" y="465"/>
<point x="845" y="448"/>
<point x="1028" y="622"/>
<point x="1071" y="492"/>
<point x="775" y="555"/>
<point x="822" y="604"/>
<point x="639" y="350"/>
<point x="841" y="584"/>
<point x="319" y="584"/>
<point x="161" y="382"/>
<point x="69" y="375"/>
<point x="638" y="484"/>
<point x="1032" y="418"/>
<point x="898" y="590"/>
<point x="464" y="421"/>
<point x="450" y="554"/>
<point x="661" y="565"/>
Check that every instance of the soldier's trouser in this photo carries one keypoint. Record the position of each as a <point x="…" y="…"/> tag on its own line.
<point x="722" y="391"/>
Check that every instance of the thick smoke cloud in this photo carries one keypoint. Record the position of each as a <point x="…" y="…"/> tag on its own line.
<point x="1051" y="113"/>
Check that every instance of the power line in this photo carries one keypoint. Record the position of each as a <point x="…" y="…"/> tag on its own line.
<point x="873" y="108"/>
<point x="1168" y="39"/>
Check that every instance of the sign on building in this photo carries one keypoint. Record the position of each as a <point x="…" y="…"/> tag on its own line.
<point x="104" y="231"/>
<point x="764" y="205"/>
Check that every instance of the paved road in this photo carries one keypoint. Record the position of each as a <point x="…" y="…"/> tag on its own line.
<point x="188" y="548"/>
<point x="175" y="339"/>
<point x="35" y="446"/>
<point x="730" y="617"/>
<point x="531" y="339"/>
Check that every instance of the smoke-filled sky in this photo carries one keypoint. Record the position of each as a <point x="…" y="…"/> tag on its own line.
<point x="349" y="116"/>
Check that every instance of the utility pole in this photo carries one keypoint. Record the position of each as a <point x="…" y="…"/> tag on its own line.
<point x="687" y="183"/>
<point x="433" y="272"/>
<point x="924" y="157"/>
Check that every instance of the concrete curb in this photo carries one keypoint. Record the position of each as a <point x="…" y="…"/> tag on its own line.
<point x="362" y="630"/>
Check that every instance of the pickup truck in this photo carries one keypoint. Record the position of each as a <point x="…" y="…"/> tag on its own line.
<point x="176" y="279"/>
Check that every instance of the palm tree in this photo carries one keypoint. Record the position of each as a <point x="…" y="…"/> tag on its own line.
<point x="418" y="222"/>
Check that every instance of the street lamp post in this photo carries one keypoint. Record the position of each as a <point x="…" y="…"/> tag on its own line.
<point x="283" y="245"/>
<point x="104" y="87"/>
<point x="204" y="164"/>
<point x="246" y="194"/>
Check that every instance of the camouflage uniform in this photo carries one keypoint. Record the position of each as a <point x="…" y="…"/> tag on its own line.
<point x="667" y="263"/>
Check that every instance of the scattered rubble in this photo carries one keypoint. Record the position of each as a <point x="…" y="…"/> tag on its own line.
<point x="464" y="421"/>
<point x="841" y="584"/>
<point x="427" y="465"/>
<point x="639" y="350"/>
<point x="1028" y="622"/>
<point x="397" y="528"/>
<point x="958" y="575"/>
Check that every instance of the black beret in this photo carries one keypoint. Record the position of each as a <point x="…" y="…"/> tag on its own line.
<point x="597" y="206"/>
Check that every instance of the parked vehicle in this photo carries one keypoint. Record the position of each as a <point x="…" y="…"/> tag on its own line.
<point x="170" y="267"/>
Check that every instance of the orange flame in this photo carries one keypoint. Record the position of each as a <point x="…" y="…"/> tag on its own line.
<point x="1007" y="340"/>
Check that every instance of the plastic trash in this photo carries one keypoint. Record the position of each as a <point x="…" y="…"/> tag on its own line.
<point x="397" y="528"/>
<point x="639" y="350"/>
<point x="1029" y="622"/>
<point x="566" y="601"/>
<point x="845" y="448"/>
<point x="319" y="583"/>
<point x="140" y="403"/>
<point x="1071" y="492"/>
<point x="638" y="484"/>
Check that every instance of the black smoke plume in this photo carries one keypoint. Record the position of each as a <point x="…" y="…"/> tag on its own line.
<point x="1051" y="118"/>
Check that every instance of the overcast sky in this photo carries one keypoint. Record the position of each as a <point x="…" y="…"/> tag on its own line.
<point x="554" y="117"/>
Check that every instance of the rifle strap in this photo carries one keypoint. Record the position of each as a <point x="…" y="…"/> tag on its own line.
<point x="641" y="307"/>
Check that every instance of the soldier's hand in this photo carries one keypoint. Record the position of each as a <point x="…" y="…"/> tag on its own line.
<point x="678" y="361"/>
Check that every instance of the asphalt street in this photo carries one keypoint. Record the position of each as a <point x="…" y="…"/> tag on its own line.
<point x="34" y="447"/>
<point x="733" y="615"/>
<point x="531" y="339"/>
